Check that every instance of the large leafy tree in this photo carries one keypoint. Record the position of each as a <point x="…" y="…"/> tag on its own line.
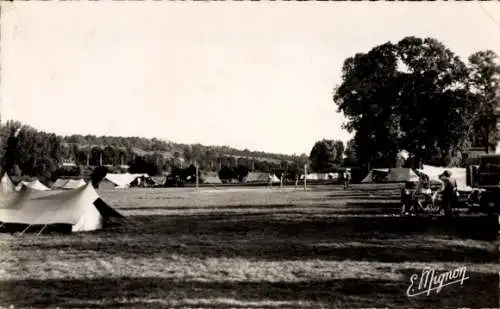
<point x="485" y="83"/>
<point x="412" y="95"/>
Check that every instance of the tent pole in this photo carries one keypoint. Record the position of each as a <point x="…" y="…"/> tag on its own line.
<point x="43" y="228"/>
<point x="25" y="229"/>
<point x="196" y="175"/>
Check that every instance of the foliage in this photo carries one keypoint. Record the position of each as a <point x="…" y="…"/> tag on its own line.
<point x="414" y="95"/>
<point x="41" y="154"/>
<point x="326" y="155"/>
<point x="98" y="175"/>
<point x="485" y="82"/>
<point x="351" y="157"/>
<point x="227" y="174"/>
<point x="141" y="165"/>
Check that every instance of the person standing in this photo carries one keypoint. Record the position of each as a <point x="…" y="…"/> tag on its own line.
<point x="347" y="178"/>
<point x="448" y="191"/>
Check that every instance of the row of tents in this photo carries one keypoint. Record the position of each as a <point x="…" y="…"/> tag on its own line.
<point x="407" y="174"/>
<point x="80" y="208"/>
<point x="262" y="177"/>
<point x="127" y="180"/>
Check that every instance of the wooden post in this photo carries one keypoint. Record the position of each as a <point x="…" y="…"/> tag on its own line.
<point x="196" y="175"/>
<point x="305" y="177"/>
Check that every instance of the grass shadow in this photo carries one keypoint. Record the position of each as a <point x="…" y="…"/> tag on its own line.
<point x="384" y="239"/>
<point x="480" y="291"/>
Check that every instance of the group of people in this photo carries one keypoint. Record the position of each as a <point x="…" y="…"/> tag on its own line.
<point x="417" y="196"/>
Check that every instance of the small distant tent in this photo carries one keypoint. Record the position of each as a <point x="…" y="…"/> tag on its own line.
<point x="274" y="178"/>
<point x="375" y="175"/>
<point x="315" y="176"/>
<point x="59" y="183"/>
<point x="210" y="177"/>
<point x="119" y="180"/>
<point x="74" y="184"/>
<point x="158" y="180"/>
<point x="82" y="208"/>
<point x="261" y="177"/>
<point x="333" y="176"/>
<point x="397" y="174"/>
<point x="35" y="185"/>
<point x="401" y="174"/>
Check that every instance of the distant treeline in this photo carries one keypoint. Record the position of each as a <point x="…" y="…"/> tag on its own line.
<point x="42" y="154"/>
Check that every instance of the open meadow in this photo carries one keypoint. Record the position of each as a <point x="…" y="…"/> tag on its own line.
<point x="253" y="248"/>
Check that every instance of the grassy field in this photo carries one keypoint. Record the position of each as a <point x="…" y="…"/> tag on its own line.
<point x="253" y="248"/>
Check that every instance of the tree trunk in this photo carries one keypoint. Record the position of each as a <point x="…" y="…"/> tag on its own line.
<point x="487" y="142"/>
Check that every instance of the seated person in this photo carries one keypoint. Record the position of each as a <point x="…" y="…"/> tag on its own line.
<point x="425" y="196"/>
<point x="474" y="200"/>
<point x="407" y="194"/>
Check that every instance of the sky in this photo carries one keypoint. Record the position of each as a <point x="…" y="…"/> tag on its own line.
<point x="255" y="75"/>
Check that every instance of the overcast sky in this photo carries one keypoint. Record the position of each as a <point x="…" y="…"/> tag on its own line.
<point x="256" y="75"/>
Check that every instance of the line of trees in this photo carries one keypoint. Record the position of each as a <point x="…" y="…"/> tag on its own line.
<point x="40" y="154"/>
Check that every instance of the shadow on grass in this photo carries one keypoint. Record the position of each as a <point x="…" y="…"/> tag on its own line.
<point x="479" y="291"/>
<point x="353" y="208"/>
<point x="381" y="197"/>
<point x="385" y="239"/>
<point x="319" y="228"/>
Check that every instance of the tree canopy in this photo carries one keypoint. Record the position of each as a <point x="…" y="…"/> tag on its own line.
<point x="326" y="155"/>
<point x="40" y="154"/>
<point x="415" y="95"/>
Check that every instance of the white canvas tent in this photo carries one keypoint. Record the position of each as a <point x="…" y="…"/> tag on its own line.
<point x="59" y="183"/>
<point x="318" y="176"/>
<point x="74" y="184"/>
<point x="370" y="175"/>
<point x="120" y="180"/>
<point x="397" y="174"/>
<point x="459" y="174"/>
<point x="7" y="185"/>
<point x="35" y="185"/>
<point x="211" y="177"/>
<point x="261" y="177"/>
<point x="274" y="179"/>
<point x="81" y="208"/>
<point x="402" y="174"/>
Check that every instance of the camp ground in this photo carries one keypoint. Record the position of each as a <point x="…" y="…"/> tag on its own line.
<point x="249" y="155"/>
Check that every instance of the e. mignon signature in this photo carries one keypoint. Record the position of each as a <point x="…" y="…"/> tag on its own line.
<point x="429" y="280"/>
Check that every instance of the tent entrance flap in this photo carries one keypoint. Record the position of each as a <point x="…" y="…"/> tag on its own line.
<point x="105" y="210"/>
